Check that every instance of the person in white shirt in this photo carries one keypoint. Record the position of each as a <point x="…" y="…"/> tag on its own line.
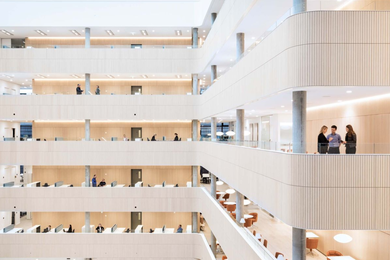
<point x="124" y="138"/>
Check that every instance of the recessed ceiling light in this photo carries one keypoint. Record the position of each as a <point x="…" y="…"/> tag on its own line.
<point x="11" y="80"/>
<point x="188" y="30"/>
<point x="178" y="76"/>
<point x="132" y="33"/>
<point x="41" y="76"/>
<point x="48" y="30"/>
<point x="6" y="32"/>
<point x="109" y="32"/>
<point x="204" y="36"/>
<point x="204" y="30"/>
<point x="82" y="30"/>
<point x="118" y="31"/>
<point x="110" y="76"/>
<point x="144" y="32"/>
<point x="153" y="75"/>
<point x="75" y="76"/>
<point x="152" y="30"/>
<point x="26" y="79"/>
<point x="282" y="106"/>
<point x="178" y="32"/>
<point x="75" y="32"/>
<point x="22" y="83"/>
<point x="145" y="76"/>
<point x="40" y="32"/>
<point x="349" y="91"/>
<point x="253" y="38"/>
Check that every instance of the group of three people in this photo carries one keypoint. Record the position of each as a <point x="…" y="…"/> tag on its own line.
<point x="331" y="143"/>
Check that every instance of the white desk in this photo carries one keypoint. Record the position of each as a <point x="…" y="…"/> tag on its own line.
<point x="117" y="231"/>
<point x="138" y="184"/>
<point x="311" y="235"/>
<point x="205" y="175"/>
<point x="166" y="186"/>
<point x="33" y="184"/>
<point x="91" y="229"/>
<point x="52" y="231"/>
<point x="167" y="230"/>
<point x="220" y="192"/>
<point x="62" y="186"/>
<point x="189" y="228"/>
<point x="248" y="216"/>
<point x="229" y="203"/>
<point x="341" y="258"/>
<point x="158" y="230"/>
<point x="32" y="229"/>
<point x="13" y="231"/>
<point x="138" y="229"/>
<point x="189" y="184"/>
<point x="117" y="186"/>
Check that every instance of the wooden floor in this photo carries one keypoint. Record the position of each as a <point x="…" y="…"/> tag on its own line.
<point x="278" y="234"/>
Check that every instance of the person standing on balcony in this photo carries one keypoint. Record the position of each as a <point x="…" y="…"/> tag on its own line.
<point x="154" y="137"/>
<point x="322" y="142"/>
<point x="79" y="91"/>
<point x="334" y="141"/>
<point x="94" y="181"/>
<point x="350" y="140"/>
<point x="97" y="91"/>
<point x="176" y="137"/>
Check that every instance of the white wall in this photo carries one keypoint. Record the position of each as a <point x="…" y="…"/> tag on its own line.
<point x="9" y="88"/>
<point x="6" y="129"/>
<point x="5" y="219"/>
<point x="5" y="43"/>
<point x="9" y="173"/>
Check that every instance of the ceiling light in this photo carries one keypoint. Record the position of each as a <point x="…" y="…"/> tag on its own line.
<point x="145" y="76"/>
<point x="230" y="133"/>
<point x="219" y="134"/>
<point x="48" y="31"/>
<point x="247" y="202"/>
<point x="6" y="32"/>
<point x="118" y="31"/>
<point x="188" y="30"/>
<point x="152" y="30"/>
<point x="41" y="33"/>
<point x="178" y="32"/>
<point x="178" y="76"/>
<point x="26" y="79"/>
<point x="82" y="30"/>
<point x="282" y="106"/>
<point x="132" y="33"/>
<point x="204" y="36"/>
<point x="204" y="30"/>
<point x="41" y="76"/>
<point x="219" y="183"/>
<point x="343" y="238"/>
<point x="75" y="32"/>
<point x="110" y="76"/>
<point x="349" y="91"/>
<point x="109" y="32"/>
<point x="253" y="38"/>
<point x="231" y="59"/>
<point x="75" y="76"/>
<point x="144" y="32"/>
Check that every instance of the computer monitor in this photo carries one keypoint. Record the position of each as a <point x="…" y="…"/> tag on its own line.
<point x="58" y="183"/>
<point x="113" y="184"/>
<point x="163" y="229"/>
<point x="45" y="230"/>
<point x="114" y="227"/>
<point x="8" y="184"/>
<point x="58" y="229"/>
<point x="8" y="228"/>
<point x="163" y="184"/>
<point x="38" y="229"/>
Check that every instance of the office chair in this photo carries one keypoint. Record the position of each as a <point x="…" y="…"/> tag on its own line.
<point x="177" y="185"/>
<point x="46" y="185"/>
<point x="129" y="186"/>
<point x="73" y="230"/>
<point x="127" y="230"/>
<point x="180" y="139"/>
<point x="149" y="185"/>
<point x="71" y="185"/>
<point x="148" y="139"/>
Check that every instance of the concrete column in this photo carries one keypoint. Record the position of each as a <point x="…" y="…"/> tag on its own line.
<point x="195" y="84"/>
<point x="87" y="175"/>
<point x="213" y="17"/>
<point x="87" y="222"/>
<point x="214" y="74"/>
<point x="195" y="176"/>
<point x="299" y="6"/>
<point x="213" y="185"/>
<point x="195" y="222"/>
<point x="194" y="38"/>
<point x="87" y="38"/>
<point x="87" y="83"/>
<point x="239" y="206"/>
<point x="213" y="242"/>
<point x="213" y="129"/>
<point x="240" y="43"/>
<point x="240" y="124"/>
<point x="299" y="244"/>
<point x="195" y="131"/>
<point x="299" y="146"/>
<point x="299" y="121"/>
<point x="87" y="129"/>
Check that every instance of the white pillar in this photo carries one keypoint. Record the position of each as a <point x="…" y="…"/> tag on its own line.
<point x="87" y="129"/>
<point x="194" y="38"/>
<point x="299" y="6"/>
<point x="239" y="206"/>
<point x="299" y="146"/>
<point x="87" y="222"/>
<point x="195" y="222"/>
<point x="87" y="38"/>
<point x="87" y="83"/>
<point x="214" y="73"/>
<point x="213" y="185"/>
<point x="213" y="242"/>
<point x="213" y="129"/>
<point x="240" y="125"/>
<point x="240" y="42"/>
<point x="195" y="90"/>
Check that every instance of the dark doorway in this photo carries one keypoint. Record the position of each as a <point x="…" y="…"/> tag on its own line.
<point x="136" y="219"/>
<point x="136" y="132"/>
<point x="136" y="176"/>
<point x="136" y="90"/>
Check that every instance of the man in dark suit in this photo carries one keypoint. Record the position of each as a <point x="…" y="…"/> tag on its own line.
<point x="79" y="90"/>
<point x="100" y="228"/>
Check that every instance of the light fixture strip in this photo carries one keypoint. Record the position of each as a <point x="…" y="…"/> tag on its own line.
<point x="75" y="76"/>
<point x="41" y="76"/>
<point x="178" y="32"/>
<point x="110" y="76"/>
<point x="144" y="32"/>
<point x="6" y="32"/>
<point x="109" y="32"/>
<point x="145" y="76"/>
<point x="75" y="32"/>
<point x="40" y="32"/>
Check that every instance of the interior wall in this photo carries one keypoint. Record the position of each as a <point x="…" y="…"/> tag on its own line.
<point x="364" y="244"/>
<point x="9" y="173"/>
<point x="9" y="88"/>
<point x="41" y="42"/>
<point x="108" y="219"/>
<point x="5" y="219"/>
<point x="75" y="130"/>
<point x="370" y="119"/>
<point x="6" y="129"/>
<point x="76" y="175"/>
<point x="116" y="87"/>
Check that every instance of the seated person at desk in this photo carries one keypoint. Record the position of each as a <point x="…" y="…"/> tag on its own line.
<point x="70" y="229"/>
<point x="153" y="137"/>
<point x="100" y="228"/>
<point x="176" y="137"/>
<point x="102" y="183"/>
<point x="151" y="231"/>
<point x="49" y="228"/>
<point x="179" y="229"/>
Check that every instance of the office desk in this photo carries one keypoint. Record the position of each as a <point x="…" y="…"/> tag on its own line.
<point x="189" y="228"/>
<point x="166" y="186"/>
<point x="59" y="232"/>
<point x="117" y="231"/>
<point x="33" y="184"/>
<point x="12" y="231"/>
<point x="311" y="235"/>
<point x="167" y="231"/>
<point x="32" y="229"/>
<point x="117" y="186"/>
<point x="62" y="186"/>
<point x="138" y="184"/>
<point x="229" y="203"/>
<point x="138" y="229"/>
